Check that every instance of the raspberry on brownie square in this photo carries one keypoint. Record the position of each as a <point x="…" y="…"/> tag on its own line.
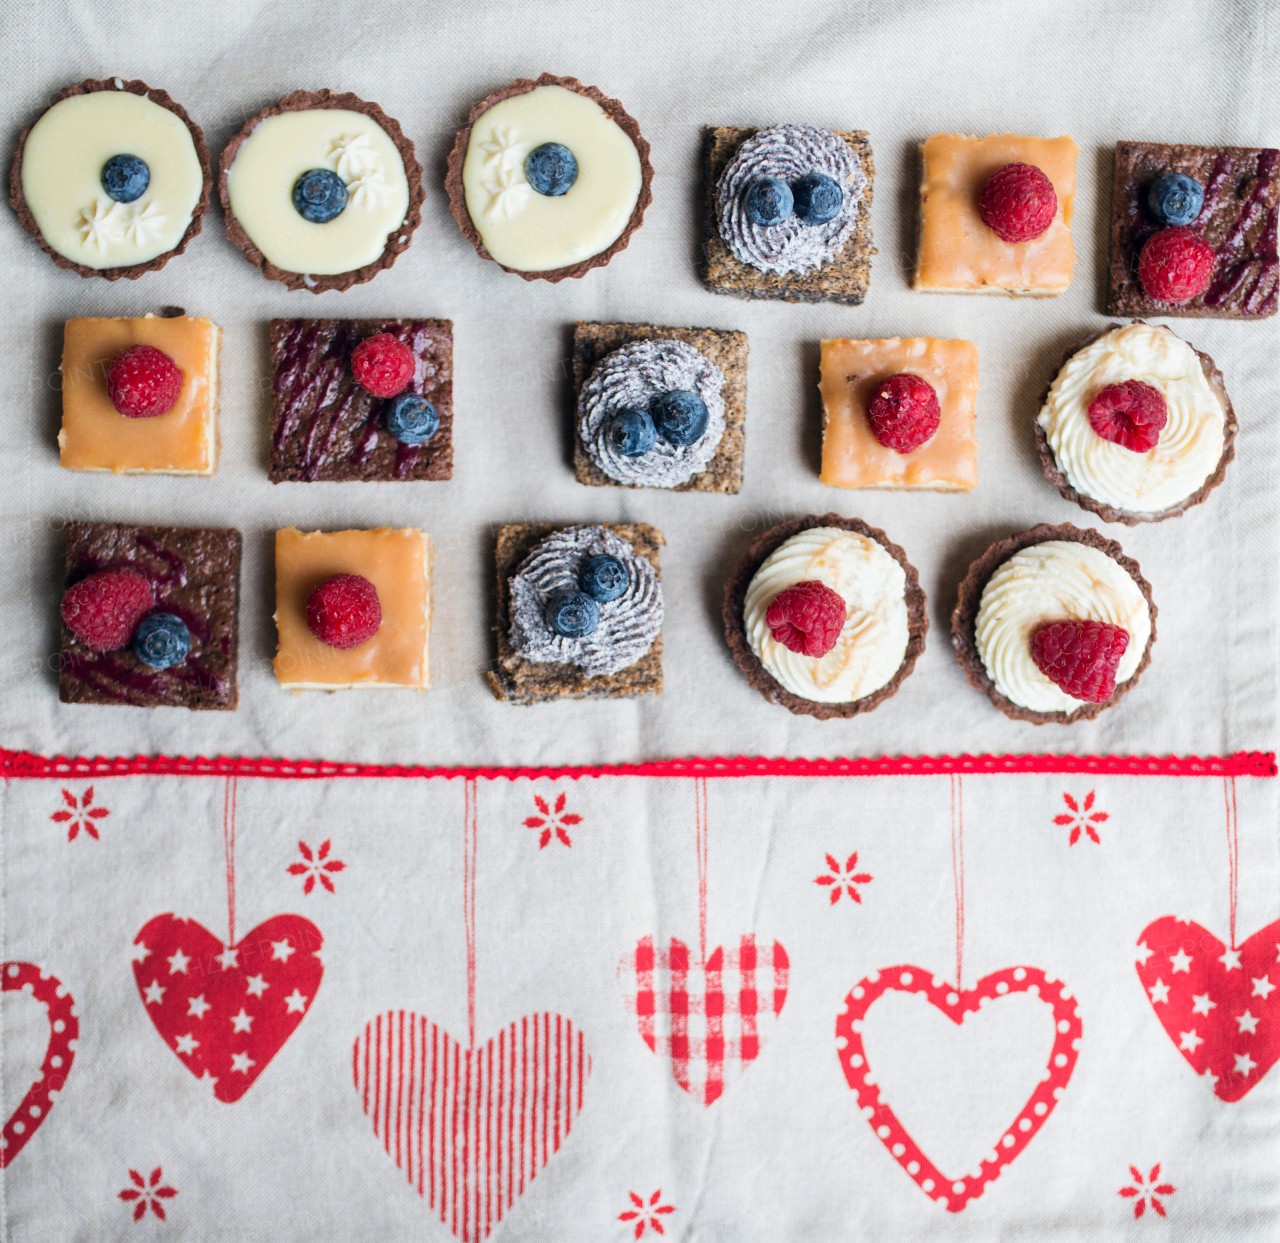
<point x="150" y="616"/>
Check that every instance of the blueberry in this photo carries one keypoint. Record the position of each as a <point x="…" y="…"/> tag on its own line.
<point x="603" y="577"/>
<point x="162" y="640"/>
<point x="631" y="432"/>
<point x="680" y="416"/>
<point x="551" y="169"/>
<point x="572" y="614"/>
<point x="411" y="419"/>
<point x="768" y="201"/>
<point x="319" y="195"/>
<point x="125" y="178"/>
<point x="1175" y="198"/>
<point x="818" y="198"/>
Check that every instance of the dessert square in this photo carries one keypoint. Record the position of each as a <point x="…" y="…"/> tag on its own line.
<point x="195" y="573"/>
<point x="851" y="373"/>
<point x="845" y="279"/>
<point x="398" y="564"/>
<point x="325" y="427"/>
<point x="1237" y="219"/>
<point x="958" y="253"/>
<point x="727" y="349"/>
<point x="513" y="678"/>
<point x="96" y="436"/>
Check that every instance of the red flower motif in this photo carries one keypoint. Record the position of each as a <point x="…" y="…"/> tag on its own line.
<point x="81" y="813"/>
<point x="1141" y="1193"/>
<point x="649" y="1214"/>
<point x="147" y="1192"/>
<point x="1081" y="818"/>
<point x="552" y="821"/>
<point x="844" y="880"/>
<point x="317" y="866"/>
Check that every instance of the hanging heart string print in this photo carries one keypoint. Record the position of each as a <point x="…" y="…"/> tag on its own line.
<point x="470" y="1126"/>
<point x="1217" y="1001"/>
<point x="957" y="1002"/>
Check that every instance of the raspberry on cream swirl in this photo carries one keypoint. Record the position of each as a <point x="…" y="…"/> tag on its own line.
<point x="873" y="641"/>
<point x="628" y="624"/>
<point x="630" y="378"/>
<point x="788" y="152"/>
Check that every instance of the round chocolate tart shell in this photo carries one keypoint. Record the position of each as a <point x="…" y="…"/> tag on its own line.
<point x="131" y="271"/>
<point x="627" y="123"/>
<point x="397" y="242"/>
<point x="735" y="594"/>
<point x="965" y="615"/>
<point x="1109" y="513"/>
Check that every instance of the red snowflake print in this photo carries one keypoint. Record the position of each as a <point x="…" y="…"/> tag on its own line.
<point x="1141" y="1193"/>
<point x="317" y="866"/>
<point x="844" y="880"/>
<point x="79" y="813"/>
<point x="147" y="1192"/>
<point x="647" y="1215"/>
<point x="1081" y="818"/>
<point x="552" y="820"/>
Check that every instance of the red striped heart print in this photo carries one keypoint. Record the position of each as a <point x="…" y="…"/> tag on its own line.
<point x="470" y="1128"/>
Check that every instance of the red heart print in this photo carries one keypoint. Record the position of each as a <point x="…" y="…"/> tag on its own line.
<point x="710" y="1019"/>
<point x="956" y="1004"/>
<point x="1219" y="1006"/>
<point x="470" y="1128"/>
<point x="59" y="1053"/>
<point x="226" y="1011"/>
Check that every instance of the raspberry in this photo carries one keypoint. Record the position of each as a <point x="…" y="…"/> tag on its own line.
<point x="904" y="413"/>
<point x="104" y="610"/>
<point x="1131" y="415"/>
<point x="382" y="365"/>
<point x="1175" y="265"/>
<point x="144" y="382"/>
<point x="806" y="618"/>
<point x="1080" y="657"/>
<point x="344" y="611"/>
<point x="1018" y="202"/>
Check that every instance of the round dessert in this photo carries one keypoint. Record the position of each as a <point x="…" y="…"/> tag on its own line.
<point x="652" y="414"/>
<point x="1054" y="624"/>
<point x="584" y="597"/>
<point x="549" y="178"/>
<point x="1136" y="426"/>
<point x="787" y="202"/>
<point x="113" y="180"/>
<point x="321" y="190"/>
<point x="825" y="616"/>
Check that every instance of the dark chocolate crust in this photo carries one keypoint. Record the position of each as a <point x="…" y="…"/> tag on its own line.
<point x="1109" y="513"/>
<point x="397" y="242"/>
<point x="965" y="614"/>
<point x="727" y="349"/>
<point x="735" y="594"/>
<point x="196" y="574"/>
<point x="89" y="86"/>
<point x="345" y="440"/>
<point x="1243" y="268"/>
<point x="521" y="681"/>
<point x="625" y="122"/>
<point x="845" y="279"/>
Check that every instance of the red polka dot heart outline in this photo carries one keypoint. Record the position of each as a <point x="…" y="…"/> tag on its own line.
<point x="956" y="1193"/>
<point x="59" y="1053"/>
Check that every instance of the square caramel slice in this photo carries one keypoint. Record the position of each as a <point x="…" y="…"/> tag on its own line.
<point x="958" y="253"/>
<point x="852" y="372"/>
<point x="726" y="348"/>
<point x="398" y="564"/>
<point x="96" y="436"/>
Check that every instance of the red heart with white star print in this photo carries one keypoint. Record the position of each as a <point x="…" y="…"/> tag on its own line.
<point x="227" y="1010"/>
<point x="955" y="1193"/>
<point x="1219" y="1006"/>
